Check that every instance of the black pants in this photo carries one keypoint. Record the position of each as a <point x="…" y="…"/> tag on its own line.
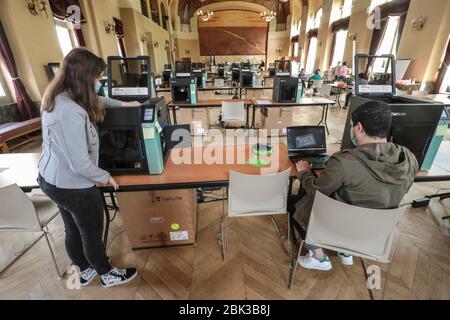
<point x="82" y="213"/>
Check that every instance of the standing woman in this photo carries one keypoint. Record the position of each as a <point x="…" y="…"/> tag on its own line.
<point x="68" y="171"/>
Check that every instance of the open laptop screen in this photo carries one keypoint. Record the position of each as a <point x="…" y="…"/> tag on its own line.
<point x="307" y="139"/>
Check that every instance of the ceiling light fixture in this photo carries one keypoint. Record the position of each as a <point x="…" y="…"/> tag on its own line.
<point x="268" y="16"/>
<point x="205" y="15"/>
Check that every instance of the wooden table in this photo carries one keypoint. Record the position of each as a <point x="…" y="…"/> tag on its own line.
<point x="304" y="102"/>
<point x="209" y="103"/>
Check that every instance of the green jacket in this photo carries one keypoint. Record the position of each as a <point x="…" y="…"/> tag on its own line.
<point x="315" y="77"/>
<point x="375" y="176"/>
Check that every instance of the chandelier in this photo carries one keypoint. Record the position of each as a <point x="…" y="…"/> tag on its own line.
<point x="268" y="16"/>
<point x="205" y="15"/>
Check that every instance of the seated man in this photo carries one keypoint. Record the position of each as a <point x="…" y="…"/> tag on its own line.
<point x="376" y="174"/>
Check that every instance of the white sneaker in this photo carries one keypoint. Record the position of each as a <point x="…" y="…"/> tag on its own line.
<point x="346" y="259"/>
<point x="87" y="276"/>
<point x="118" y="276"/>
<point x="309" y="262"/>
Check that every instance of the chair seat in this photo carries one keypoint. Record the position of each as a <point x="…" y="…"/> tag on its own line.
<point x="46" y="209"/>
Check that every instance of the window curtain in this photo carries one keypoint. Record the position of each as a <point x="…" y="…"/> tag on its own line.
<point x="443" y="70"/>
<point x="120" y="34"/>
<point x="25" y="106"/>
<point x="393" y="8"/>
<point x="313" y="33"/>
<point x="337" y="26"/>
<point x="60" y="11"/>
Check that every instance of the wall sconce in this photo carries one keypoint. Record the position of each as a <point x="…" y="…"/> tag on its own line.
<point x="279" y="49"/>
<point x="144" y="38"/>
<point x="352" y="37"/>
<point x="156" y="44"/>
<point x="110" y="28"/>
<point x="36" y="7"/>
<point x="418" y="23"/>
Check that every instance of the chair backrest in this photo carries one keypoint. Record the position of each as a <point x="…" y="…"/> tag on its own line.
<point x="255" y="195"/>
<point x="362" y="232"/>
<point x="317" y="84"/>
<point x="325" y="91"/>
<point x="219" y="83"/>
<point x="17" y="211"/>
<point x="419" y="92"/>
<point x="233" y="111"/>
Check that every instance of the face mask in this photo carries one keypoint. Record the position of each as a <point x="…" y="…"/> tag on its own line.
<point x="353" y="138"/>
<point x="98" y="86"/>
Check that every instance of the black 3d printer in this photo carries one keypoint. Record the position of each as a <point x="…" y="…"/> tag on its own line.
<point x="183" y="86"/>
<point x="247" y="77"/>
<point x="414" y="120"/>
<point x="131" y="138"/>
<point x="286" y="89"/>
<point x="199" y="73"/>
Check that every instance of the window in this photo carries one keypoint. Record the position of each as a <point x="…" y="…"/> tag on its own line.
<point x="445" y="88"/>
<point x="341" y="11"/>
<point x="66" y="36"/>
<point x="144" y="8"/>
<point x="311" y="59"/>
<point x="314" y="22"/>
<point x="5" y="97"/>
<point x="389" y="42"/>
<point x="155" y="11"/>
<point x="376" y="3"/>
<point x="318" y="18"/>
<point x="339" y="48"/>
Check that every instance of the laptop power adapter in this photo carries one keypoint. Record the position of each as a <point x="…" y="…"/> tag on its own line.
<point x="421" y="203"/>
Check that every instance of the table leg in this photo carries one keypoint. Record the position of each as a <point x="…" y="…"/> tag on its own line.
<point x="248" y="116"/>
<point x="174" y="116"/>
<point x="324" y="118"/>
<point x="254" y="117"/>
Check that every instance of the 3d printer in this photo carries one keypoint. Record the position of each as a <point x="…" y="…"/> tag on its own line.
<point x="183" y="86"/>
<point x="131" y="138"/>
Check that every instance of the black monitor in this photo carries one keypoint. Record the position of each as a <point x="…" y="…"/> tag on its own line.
<point x="283" y="67"/>
<point x="246" y="79"/>
<point x="285" y="89"/>
<point x="129" y="78"/>
<point x="246" y="65"/>
<point x="197" y="66"/>
<point x="235" y="75"/>
<point x="183" y="68"/>
<point x="307" y="140"/>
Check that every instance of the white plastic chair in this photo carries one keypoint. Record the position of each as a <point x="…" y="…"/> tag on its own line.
<point x="22" y="213"/>
<point x="316" y="85"/>
<point x="233" y="111"/>
<point x="325" y="91"/>
<point x="361" y="232"/>
<point x="255" y="195"/>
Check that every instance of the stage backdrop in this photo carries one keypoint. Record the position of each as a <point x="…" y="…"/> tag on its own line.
<point x="233" y="32"/>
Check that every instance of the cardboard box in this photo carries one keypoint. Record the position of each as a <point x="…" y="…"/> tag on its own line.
<point x="159" y="218"/>
<point x="276" y="118"/>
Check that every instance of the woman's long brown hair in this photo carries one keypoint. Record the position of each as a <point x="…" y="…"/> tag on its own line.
<point x="76" y="77"/>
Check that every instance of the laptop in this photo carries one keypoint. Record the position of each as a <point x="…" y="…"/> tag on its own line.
<point x="308" y="143"/>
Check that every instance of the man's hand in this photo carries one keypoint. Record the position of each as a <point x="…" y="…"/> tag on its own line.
<point x="131" y="104"/>
<point x="303" y="166"/>
<point x="113" y="183"/>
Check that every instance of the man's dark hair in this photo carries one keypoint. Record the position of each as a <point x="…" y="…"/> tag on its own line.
<point x="375" y="117"/>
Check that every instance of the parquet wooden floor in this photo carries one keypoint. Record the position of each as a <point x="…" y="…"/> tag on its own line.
<point x="255" y="267"/>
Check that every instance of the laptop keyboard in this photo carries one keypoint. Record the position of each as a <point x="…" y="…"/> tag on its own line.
<point x="316" y="162"/>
